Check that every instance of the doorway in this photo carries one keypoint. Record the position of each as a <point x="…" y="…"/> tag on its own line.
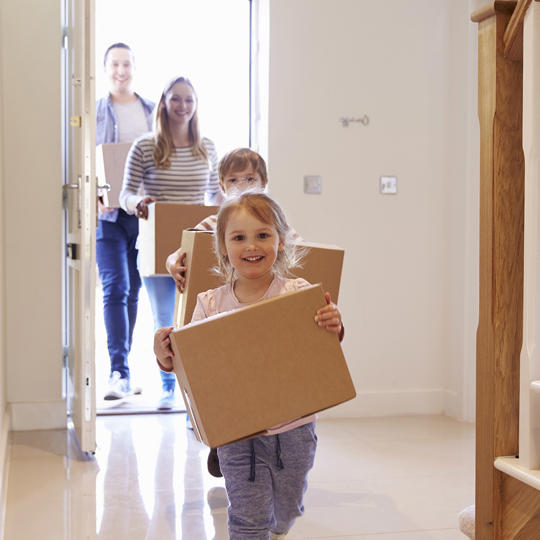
<point x="207" y="41"/>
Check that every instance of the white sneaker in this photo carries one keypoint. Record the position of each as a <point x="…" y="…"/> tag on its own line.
<point x="274" y="536"/>
<point x="166" y="402"/>
<point x="118" y="388"/>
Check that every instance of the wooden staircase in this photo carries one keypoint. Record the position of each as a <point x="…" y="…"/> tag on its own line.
<point x="508" y="336"/>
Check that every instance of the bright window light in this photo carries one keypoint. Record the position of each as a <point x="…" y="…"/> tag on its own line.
<point x="204" y="40"/>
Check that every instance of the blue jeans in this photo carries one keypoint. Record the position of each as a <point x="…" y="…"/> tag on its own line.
<point x="117" y="264"/>
<point x="161" y="292"/>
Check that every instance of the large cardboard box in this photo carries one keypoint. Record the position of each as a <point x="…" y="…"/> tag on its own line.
<point x="322" y="264"/>
<point x="110" y="162"/>
<point x="245" y="371"/>
<point x="161" y="233"/>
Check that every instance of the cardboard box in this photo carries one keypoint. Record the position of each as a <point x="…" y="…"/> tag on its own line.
<point x="161" y="233"/>
<point x="322" y="264"/>
<point x="200" y="259"/>
<point x="110" y="162"/>
<point x="245" y="371"/>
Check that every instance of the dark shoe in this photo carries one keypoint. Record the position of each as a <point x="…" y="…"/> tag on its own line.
<point x="213" y="463"/>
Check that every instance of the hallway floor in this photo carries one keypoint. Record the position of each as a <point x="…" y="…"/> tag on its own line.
<point x="402" y="478"/>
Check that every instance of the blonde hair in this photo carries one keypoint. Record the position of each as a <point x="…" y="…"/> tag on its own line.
<point x="163" y="142"/>
<point x="239" y="159"/>
<point x="265" y="209"/>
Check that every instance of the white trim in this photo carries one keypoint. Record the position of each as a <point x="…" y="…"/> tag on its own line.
<point x="529" y="400"/>
<point x="396" y="403"/>
<point x="453" y="405"/>
<point x="472" y="216"/>
<point x="30" y="416"/>
<point x="260" y="76"/>
<point x="4" y="470"/>
<point x="510" y="466"/>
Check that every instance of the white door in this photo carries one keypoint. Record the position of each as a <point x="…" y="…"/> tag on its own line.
<point x="80" y="217"/>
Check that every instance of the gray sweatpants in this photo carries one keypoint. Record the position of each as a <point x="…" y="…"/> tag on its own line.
<point x="266" y="478"/>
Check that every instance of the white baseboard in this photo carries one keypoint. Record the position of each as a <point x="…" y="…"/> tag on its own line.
<point x="398" y="403"/>
<point x="4" y="470"/>
<point x="31" y="416"/>
<point x="453" y="405"/>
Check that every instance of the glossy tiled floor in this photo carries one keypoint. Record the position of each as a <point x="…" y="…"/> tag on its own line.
<point x="374" y="479"/>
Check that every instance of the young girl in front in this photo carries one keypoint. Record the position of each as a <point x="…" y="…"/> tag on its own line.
<point x="266" y="476"/>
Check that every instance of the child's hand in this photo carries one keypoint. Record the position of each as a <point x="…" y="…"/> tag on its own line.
<point x="162" y="347"/>
<point x="329" y="317"/>
<point x="176" y="266"/>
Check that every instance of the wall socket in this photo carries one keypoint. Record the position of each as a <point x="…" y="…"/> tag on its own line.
<point x="312" y="184"/>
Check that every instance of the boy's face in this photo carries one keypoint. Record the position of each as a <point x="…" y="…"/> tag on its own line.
<point x="240" y="180"/>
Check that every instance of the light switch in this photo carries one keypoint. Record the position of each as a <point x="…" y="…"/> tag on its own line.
<point x="388" y="185"/>
<point x="312" y="184"/>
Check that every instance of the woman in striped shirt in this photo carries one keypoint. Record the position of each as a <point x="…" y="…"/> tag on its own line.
<point x="171" y="164"/>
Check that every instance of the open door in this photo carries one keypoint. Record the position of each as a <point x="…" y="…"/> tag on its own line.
<point x="80" y="218"/>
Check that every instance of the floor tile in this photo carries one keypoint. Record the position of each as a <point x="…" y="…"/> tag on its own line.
<point x="374" y="479"/>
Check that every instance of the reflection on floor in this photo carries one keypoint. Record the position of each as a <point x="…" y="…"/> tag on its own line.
<point x="374" y="479"/>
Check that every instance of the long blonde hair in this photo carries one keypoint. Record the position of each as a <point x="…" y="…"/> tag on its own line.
<point x="164" y="146"/>
<point x="265" y="209"/>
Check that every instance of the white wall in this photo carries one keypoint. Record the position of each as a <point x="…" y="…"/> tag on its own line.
<point x="4" y="419"/>
<point x="2" y="240"/>
<point x="32" y="211"/>
<point x="406" y="288"/>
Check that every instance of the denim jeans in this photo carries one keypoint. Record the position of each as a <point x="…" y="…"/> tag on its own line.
<point x="161" y="292"/>
<point x="117" y="264"/>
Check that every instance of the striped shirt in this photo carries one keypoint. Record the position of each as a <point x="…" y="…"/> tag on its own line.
<point x="185" y="181"/>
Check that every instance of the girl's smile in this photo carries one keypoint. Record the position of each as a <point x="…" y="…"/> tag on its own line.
<point x="251" y="245"/>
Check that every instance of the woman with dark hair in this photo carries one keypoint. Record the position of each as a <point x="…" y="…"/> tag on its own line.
<point x="174" y="163"/>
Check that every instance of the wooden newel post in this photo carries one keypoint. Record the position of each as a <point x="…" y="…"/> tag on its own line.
<point x="499" y="335"/>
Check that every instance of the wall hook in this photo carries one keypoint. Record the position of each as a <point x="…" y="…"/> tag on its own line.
<point x="345" y="121"/>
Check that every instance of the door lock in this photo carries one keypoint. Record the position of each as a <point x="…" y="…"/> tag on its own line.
<point x="72" y="251"/>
